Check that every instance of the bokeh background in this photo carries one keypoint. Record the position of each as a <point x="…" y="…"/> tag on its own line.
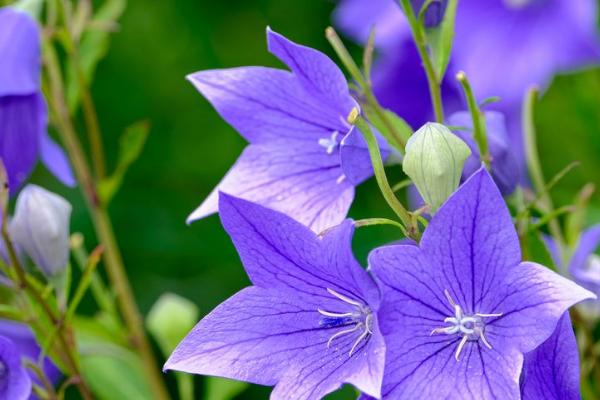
<point x="190" y="147"/>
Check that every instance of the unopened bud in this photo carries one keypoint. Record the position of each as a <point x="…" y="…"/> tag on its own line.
<point x="40" y="227"/>
<point x="434" y="161"/>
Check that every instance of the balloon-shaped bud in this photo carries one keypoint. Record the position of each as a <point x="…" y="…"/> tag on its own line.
<point x="40" y="227"/>
<point x="434" y="161"/>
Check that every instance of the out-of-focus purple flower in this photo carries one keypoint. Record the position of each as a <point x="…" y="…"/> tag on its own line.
<point x="15" y="384"/>
<point x="294" y="122"/>
<point x="505" y="169"/>
<point x="583" y="266"/>
<point x="554" y="36"/>
<point x="26" y="346"/>
<point x="551" y="372"/>
<point x="40" y="227"/>
<point x="460" y="311"/>
<point x="23" y="114"/>
<point x="308" y="324"/>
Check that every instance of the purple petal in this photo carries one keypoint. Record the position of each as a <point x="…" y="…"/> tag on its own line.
<point x="22" y="123"/>
<point x="551" y="371"/>
<point x="354" y="154"/>
<point x="302" y="181"/>
<point x="505" y="169"/>
<point x="554" y="36"/>
<point x="14" y="382"/>
<point x="585" y="267"/>
<point x="24" y="341"/>
<point x="266" y="336"/>
<point x="469" y="253"/>
<point x="265" y="104"/>
<point x="57" y="162"/>
<point x="281" y="253"/>
<point x="421" y="365"/>
<point x="20" y="49"/>
<point x="435" y="11"/>
<point x="317" y="74"/>
<point x="472" y="237"/>
<point x="356" y="18"/>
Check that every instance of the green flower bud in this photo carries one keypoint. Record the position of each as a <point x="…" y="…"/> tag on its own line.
<point x="434" y="161"/>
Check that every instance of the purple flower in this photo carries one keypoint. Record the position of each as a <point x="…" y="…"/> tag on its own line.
<point x="294" y="122"/>
<point x="435" y="11"/>
<point x="459" y="311"/>
<point x="307" y="325"/>
<point x="551" y="372"/>
<point x="505" y="169"/>
<point x="14" y="381"/>
<point x="583" y="266"/>
<point x="555" y="36"/>
<point x="25" y="344"/>
<point x="23" y="113"/>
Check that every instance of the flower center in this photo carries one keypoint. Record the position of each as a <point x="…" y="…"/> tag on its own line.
<point x="331" y="143"/>
<point x="358" y="320"/>
<point x="471" y="327"/>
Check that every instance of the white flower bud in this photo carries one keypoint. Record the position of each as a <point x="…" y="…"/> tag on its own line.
<point x="434" y="161"/>
<point x="40" y="227"/>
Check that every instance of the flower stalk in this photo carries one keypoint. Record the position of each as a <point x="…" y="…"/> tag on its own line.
<point x="420" y="39"/>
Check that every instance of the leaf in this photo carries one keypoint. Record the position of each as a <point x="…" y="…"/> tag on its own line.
<point x="113" y="372"/>
<point x="398" y="124"/>
<point x="223" y="389"/>
<point x="440" y="40"/>
<point x="93" y="46"/>
<point x="130" y="147"/>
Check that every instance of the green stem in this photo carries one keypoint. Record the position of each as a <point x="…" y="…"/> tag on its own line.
<point x="379" y="221"/>
<point x="535" y="166"/>
<point x="104" y="231"/>
<point x="478" y="120"/>
<point x="381" y="178"/>
<point x="420" y="40"/>
<point x="365" y="86"/>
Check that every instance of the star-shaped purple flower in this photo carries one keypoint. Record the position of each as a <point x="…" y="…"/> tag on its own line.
<point x="307" y="325"/>
<point x="505" y="169"/>
<point x="14" y="381"/>
<point x="551" y="371"/>
<point x="23" y="114"/>
<point x="294" y="122"/>
<point x="459" y="311"/>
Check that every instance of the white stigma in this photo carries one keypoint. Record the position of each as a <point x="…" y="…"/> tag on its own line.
<point x="358" y="320"/>
<point x="517" y="4"/>
<point x="471" y="327"/>
<point x="330" y="143"/>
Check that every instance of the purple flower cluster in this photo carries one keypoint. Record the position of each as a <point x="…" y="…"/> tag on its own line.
<point x="458" y="316"/>
<point x="504" y="46"/>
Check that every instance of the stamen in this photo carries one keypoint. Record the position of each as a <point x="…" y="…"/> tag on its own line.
<point x="361" y="319"/>
<point x="471" y="327"/>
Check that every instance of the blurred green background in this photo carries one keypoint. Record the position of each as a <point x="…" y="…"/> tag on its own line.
<point x="190" y="147"/>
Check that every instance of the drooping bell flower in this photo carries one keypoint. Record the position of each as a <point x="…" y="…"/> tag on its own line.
<point x="460" y="311"/>
<point x="306" y="326"/>
<point x="23" y="115"/>
<point x="504" y="166"/>
<point x="40" y="227"/>
<point x="295" y="121"/>
<point x="15" y="384"/>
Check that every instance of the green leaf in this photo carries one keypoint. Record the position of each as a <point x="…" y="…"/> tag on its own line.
<point x="130" y="147"/>
<point x="397" y="123"/>
<point x="440" y="40"/>
<point x="223" y="389"/>
<point x="113" y="372"/>
<point x="93" y="46"/>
